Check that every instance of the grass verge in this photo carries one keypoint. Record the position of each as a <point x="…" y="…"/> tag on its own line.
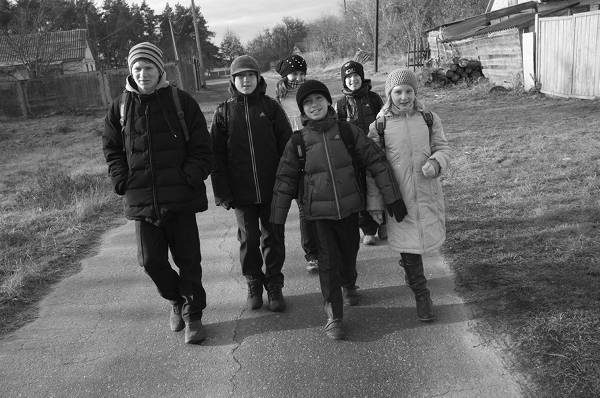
<point x="523" y="230"/>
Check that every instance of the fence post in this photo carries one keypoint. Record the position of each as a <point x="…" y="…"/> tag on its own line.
<point x="22" y="96"/>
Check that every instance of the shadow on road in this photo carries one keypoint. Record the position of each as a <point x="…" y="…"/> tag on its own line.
<point x="380" y="313"/>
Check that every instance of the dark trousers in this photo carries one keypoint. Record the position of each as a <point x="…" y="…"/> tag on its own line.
<point x="308" y="235"/>
<point x="338" y="246"/>
<point x="179" y="234"/>
<point x="258" y="245"/>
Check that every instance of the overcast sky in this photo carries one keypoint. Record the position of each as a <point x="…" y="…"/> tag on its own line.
<point x="247" y="18"/>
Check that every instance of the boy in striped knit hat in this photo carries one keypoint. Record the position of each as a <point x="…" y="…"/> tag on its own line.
<point x="160" y="167"/>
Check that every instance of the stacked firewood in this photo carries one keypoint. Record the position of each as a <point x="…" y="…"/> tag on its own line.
<point x="459" y="70"/>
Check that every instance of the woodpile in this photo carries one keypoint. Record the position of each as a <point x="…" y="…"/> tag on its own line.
<point x="459" y="70"/>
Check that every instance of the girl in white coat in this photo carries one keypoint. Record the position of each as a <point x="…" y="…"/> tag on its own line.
<point x="417" y="149"/>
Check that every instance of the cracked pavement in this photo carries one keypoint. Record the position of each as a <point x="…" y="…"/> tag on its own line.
<point x="104" y="332"/>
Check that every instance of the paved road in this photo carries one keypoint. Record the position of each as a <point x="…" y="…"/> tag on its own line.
<point x="104" y="333"/>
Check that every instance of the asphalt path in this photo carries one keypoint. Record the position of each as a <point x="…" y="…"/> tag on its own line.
<point x="104" y="332"/>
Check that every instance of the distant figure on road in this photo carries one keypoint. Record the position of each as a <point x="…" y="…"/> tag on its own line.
<point x="249" y="132"/>
<point x="417" y="149"/>
<point x="318" y="168"/>
<point x="159" y="160"/>
<point x="360" y="106"/>
<point x="293" y="73"/>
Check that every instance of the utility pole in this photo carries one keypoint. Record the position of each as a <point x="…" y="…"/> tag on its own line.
<point x="200" y="62"/>
<point x="376" y="33"/>
<point x="179" y="77"/>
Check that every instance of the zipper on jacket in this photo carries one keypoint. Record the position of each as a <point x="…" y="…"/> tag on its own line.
<point x="252" y="156"/>
<point x="335" y="194"/>
<point x="412" y="173"/>
<point x="154" y="199"/>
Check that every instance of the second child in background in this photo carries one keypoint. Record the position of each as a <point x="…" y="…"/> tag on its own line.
<point x="360" y="106"/>
<point x="249" y="133"/>
<point x="293" y="72"/>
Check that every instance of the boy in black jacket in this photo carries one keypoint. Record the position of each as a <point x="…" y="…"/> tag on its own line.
<point x="249" y="133"/>
<point x="360" y="106"/>
<point x="330" y="193"/>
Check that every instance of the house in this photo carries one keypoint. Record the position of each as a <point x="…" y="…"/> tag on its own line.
<point x="50" y="53"/>
<point x="501" y="38"/>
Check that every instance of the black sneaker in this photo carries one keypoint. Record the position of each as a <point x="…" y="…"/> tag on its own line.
<point x="312" y="265"/>
<point x="276" y="301"/>
<point x="255" y="291"/>
<point x="175" y="319"/>
<point x="194" y="332"/>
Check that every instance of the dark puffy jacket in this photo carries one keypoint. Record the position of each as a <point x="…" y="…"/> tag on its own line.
<point x="330" y="187"/>
<point x="150" y="162"/>
<point x="359" y="108"/>
<point x="249" y="133"/>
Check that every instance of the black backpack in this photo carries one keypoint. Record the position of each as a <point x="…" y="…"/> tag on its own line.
<point x="125" y="101"/>
<point x="300" y="148"/>
<point x="380" y="126"/>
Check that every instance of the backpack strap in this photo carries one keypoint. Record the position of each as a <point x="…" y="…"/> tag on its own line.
<point x="180" y="114"/>
<point x="300" y="150"/>
<point x="341" y="108"/>
<point x="428" y="117"/>
<point x="380" y="127"/>
<point x="123" y="105"/>
<point x="348" y="138"/>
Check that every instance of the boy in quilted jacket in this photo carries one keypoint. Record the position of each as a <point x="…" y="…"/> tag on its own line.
<point x="330" y="193"/>
<point x="416" y="148"/>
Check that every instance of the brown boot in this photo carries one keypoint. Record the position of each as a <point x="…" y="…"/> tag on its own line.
<point x="334" y="329"/>
<point x="424" y="307"/>
<point x="415" y="278"/>
<point x="255" y="291"/>
<point x="276" y="301"/>
<point x="194" y="332"/>
<point x="175" y="319"/>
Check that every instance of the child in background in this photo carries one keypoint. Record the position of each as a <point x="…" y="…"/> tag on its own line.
<point x="360" y="106"/>
<point x="330" y="193"/>
<point x="417" y="149"/>
<point x="293" y="72"/>
<point x="249" y="133"/>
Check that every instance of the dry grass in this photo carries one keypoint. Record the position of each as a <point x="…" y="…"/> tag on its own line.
<point x="56" y="200"/>
<point x="523" y="216"/>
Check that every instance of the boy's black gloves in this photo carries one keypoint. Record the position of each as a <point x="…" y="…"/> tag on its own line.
<point x="397" y="210"/>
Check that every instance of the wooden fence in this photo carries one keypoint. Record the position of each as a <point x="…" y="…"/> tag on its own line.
<point x="568" y="54"/>
<point x="75" y="92"/>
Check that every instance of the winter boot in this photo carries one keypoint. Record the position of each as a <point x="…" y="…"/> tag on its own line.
<point x="175" y="319"/>
<point x="194" y="332"/>
<point x="415" y="279"/>
<point x="255" y="291"/>
<point x="334" y="329"/>
<point x="276" y="301"/>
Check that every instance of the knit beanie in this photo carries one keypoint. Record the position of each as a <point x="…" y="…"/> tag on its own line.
<point x="351" y="67"/>
<point x="311" y="87"/>
<point x="401" y="76"/>
<point x="291" y="64"/>
<point x="244" y="63"/>
<point x="149" y="51"/>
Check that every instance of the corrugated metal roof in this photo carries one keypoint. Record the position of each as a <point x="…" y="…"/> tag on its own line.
<point x="48" y="46"/>
<point x="518" y="16"/>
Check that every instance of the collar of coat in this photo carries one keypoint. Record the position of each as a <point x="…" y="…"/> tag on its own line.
<point x="132" y="87"/>
<point x="388" y="109"/>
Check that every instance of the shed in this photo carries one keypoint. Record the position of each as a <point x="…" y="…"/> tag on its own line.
<point x="495" y="38"/>
<point x="60" y="52"/>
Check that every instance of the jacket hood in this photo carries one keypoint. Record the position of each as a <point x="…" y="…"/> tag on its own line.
<point x="132" y="87"/>
<point x="261" y="88"/>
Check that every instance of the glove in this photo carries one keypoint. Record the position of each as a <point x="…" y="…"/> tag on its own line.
<point x="397" y="210"/>
<point x="278" y="229"/>
<point x="431" y="168"/>
<point x="121" y="187"/>
<point x="377" y="216"/>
